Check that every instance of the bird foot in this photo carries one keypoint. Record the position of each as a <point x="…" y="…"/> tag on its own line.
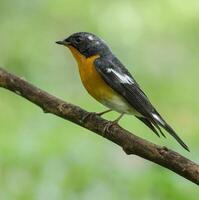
<point x="108" y="126"/>
<point x="88" y="115"/>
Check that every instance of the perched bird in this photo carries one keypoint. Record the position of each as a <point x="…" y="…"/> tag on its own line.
<point x="109" y="82"/>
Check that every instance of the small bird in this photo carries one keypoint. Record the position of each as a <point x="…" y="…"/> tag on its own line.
<point x="109" y="82"/>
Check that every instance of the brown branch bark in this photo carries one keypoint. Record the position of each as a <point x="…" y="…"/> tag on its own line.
<point x="130" y="143"/>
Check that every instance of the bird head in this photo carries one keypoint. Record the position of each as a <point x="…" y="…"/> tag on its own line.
<point x="85" y="43"/>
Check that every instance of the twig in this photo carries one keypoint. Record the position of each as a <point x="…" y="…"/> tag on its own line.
<point x="130" y="143"/>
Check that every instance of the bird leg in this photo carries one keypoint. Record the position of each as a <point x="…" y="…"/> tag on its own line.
<point x="91" y="114"/>
<point x="102" y="113"/>
<point x="111" y="123"/>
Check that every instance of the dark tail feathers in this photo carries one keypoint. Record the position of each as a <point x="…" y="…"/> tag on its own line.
<point x="173" y="133"/>
<point x="149" y="124"/>
<point x="159" y="121"/>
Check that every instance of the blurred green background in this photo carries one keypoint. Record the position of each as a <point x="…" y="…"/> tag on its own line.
<point x="44" y="157"/>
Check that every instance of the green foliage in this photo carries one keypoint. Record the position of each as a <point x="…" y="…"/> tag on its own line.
<point x="43" y="157"/>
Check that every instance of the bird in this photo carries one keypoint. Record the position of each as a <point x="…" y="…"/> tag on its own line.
<point x="109" y="82"/>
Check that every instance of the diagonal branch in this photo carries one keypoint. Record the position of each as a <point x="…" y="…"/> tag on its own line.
<point x="130" y="143"/>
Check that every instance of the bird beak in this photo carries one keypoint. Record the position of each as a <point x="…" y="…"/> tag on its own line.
<point x="64" y="42"/>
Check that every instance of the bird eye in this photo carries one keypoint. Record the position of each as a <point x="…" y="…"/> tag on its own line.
<point x="78" y="39"/>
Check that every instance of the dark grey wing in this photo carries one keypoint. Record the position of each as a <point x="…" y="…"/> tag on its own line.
<point x="118" y="78"/>
<point x="122" y="82"/>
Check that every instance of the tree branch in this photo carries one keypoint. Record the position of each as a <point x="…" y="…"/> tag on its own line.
<point x="130" y="143"/>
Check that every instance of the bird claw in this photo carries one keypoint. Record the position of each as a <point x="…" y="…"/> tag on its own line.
<point x="108" y="125"/>
<point x="61" y="107"/>
<point x="88" y="115"/>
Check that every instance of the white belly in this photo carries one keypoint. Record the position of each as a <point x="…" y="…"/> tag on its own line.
<point x="120" y="105"/>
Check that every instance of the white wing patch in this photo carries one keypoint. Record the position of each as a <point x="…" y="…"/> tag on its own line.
<point x="158" y="118"/>
<point x="122" y="77"/>
<point x="90" y="37"/>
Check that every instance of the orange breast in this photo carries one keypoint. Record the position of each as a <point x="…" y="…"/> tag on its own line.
<point x="91" y="80"/>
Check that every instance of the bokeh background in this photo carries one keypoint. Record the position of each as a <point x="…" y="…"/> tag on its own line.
<point x="44" y="157"/>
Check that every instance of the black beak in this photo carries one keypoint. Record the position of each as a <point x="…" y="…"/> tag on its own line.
<point x="64" y="42"/>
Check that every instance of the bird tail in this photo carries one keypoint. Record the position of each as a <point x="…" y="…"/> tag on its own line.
<point x="159" y="121"/>
<point x="149" y="124"/>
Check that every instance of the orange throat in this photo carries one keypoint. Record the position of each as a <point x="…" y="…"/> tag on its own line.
<point x="91" y="79"/>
